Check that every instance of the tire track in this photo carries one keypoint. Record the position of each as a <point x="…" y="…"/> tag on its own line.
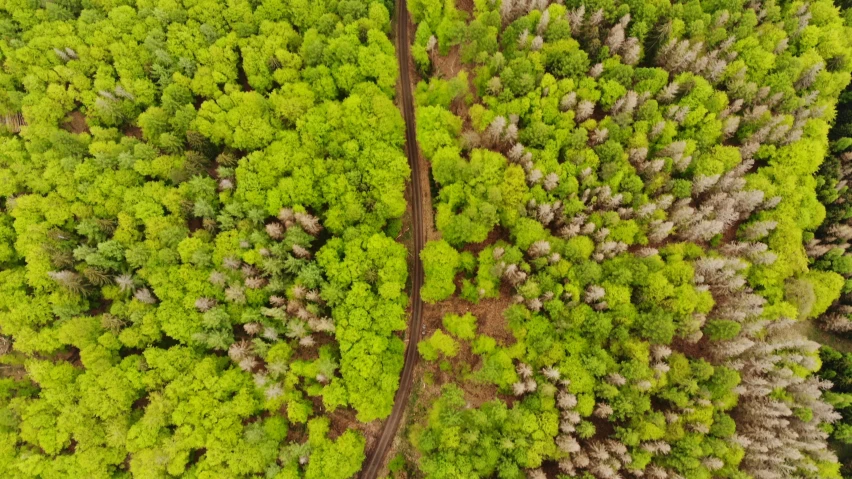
<point x="376" y="458"/>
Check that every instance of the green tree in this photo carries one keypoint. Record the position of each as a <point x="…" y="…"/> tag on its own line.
<point x="440" y="263"/>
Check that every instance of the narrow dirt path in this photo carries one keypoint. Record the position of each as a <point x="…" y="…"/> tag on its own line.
<point x="376" y="458"/>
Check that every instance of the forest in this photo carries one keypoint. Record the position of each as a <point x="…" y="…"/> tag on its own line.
<point x="638" y="214"/>
<point x="199" y="273"/>
<point x="655" y="196"/>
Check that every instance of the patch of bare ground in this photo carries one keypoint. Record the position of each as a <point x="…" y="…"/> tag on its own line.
<point x="297" y="433"/>
<point x="604" y="429"/>
<point x="14" y="371"/>
<point x="429" y="230"/>
<point x="344" y="420"/>
<point x="428" y="213"/>
<point x="312" y="352"/>
<point x="490" y="322"/>
<point x="341" y="420"/>
<point x="489" y="315"/>
<point x="465" y="5"/>
<point x="133" y="132"/>
<point x="551" y="469"/>
<point x="730" y="234"/>
<point x="446" y="66"/>
<point x="75" y="122"/>
<point x="195" y="224"/>
<point x="496" y="234"/>
<point x="696" y="349"/>
<point x="429" y="378"/>
<point x="489" y="311"/>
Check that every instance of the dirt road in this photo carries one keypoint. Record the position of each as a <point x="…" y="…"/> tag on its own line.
<point x="376" y="457"/>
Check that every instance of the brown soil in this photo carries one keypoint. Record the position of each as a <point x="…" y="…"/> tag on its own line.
<point x="133" y="131"/>
<point x="75" y="122"/>
<point x="604" y="429"/>
<point x="311" y="353"/>
<point x="496" y="234"/>
<point x="101" y="308"/>
<point x="242" y="78"/>
<point x="551" y="469"/>
<point x="693" y="350"/>
<point x="297" y="433"/>
<point x="141" y="403"/>
<point x="343" y="420"/>
<point x="14" y="371"/>
<point x="489" y="315"/>
<point x="371" y="431"/>
<point x="71" y="355"/>
<point x="446" y="66"/>
<point x="730" y="235"/>
<point x="490" y="322"/>
<point x="429" y="230"/>
<point x="195" y="224"/>
<point x="465" y="5"/>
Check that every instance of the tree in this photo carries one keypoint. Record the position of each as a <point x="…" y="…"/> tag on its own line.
<point x="462" y="327"/>
<point x="241" y="120"/>
<point x="340" y="458"/>
<point x="440" y="263"/>
<point x="438" y="343"/>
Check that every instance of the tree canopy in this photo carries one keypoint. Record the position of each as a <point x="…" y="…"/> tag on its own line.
<point x="198" y="203"/>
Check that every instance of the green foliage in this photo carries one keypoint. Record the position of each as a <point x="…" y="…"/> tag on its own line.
<point x="462" y="327"/>
<point x="240" y="120"/>
<point x="504" y="440"/>
<point x="655" y="223"/>
<point x="373" y="272"/>
<point x="193" y="211"/>
<point x="336" y="459"/>
<point x="720" y="330"/>
<point x="442" y="92"/>
<point x="837" y="368"/>
<point x="475" y="193"/>
<point x="440" y="263"/>
<point x="814" y="293"/>
<point x="438" y="343"/>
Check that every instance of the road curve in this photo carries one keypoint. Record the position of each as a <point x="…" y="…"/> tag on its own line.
<point x="376" y="459"/>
